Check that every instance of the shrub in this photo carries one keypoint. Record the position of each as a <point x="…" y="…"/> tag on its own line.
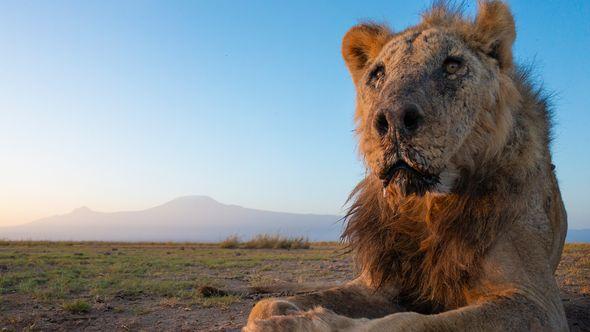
<point x="266" y="241"/>
<point x="231" y="242"/>
<point x="77" y="307"/>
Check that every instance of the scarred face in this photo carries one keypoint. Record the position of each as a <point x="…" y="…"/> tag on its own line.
<point x="420" y="94"/>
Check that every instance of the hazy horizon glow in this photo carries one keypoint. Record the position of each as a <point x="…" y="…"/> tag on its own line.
<point x="126" y="105"/>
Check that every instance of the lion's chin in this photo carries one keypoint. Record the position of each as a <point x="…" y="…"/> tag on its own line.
<point x="407" y="180"/>
<point x="409" y="183"/>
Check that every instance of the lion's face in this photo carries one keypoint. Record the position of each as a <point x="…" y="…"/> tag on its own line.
<point x="419" y="99"/>
<point x="422" y="94"/>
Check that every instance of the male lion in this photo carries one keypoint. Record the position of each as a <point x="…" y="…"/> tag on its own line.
<point x="459" y="222"/>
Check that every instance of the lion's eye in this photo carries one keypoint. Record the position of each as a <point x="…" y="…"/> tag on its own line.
<point x="452" y="65"/>
<point x="376" y="75"/>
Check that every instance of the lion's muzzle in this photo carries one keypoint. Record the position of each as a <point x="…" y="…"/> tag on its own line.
<point x="407" y="178"/>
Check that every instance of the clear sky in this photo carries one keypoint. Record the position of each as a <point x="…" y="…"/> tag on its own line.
<point x="121" y="105"/>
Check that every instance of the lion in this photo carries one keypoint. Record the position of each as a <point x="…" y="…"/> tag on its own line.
<point x="459" y="223"/>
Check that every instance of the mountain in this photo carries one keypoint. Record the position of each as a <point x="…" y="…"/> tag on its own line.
<point x="578" y="235"/>
<point x="191" y="218"/>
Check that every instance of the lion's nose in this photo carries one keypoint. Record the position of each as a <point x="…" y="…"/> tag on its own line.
<point x="406" y="120"/>
<point x="382" y="122"/>
<point x="410" y="118"/>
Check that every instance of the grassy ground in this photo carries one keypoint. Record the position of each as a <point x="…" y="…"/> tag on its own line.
<point x="124" y="286"/>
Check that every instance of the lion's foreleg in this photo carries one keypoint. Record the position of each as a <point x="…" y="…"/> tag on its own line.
<point x="353" y="299"/>
<point x="504" y="313"/>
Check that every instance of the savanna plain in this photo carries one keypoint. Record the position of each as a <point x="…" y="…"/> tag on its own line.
<point x="97" y="286"/>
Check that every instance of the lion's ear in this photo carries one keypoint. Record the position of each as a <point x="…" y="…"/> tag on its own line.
<point x="361" y="45"/>
<point x="494" y="29"/>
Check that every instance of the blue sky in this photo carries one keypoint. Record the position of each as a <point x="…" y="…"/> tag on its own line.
<point x="124" y="105"/>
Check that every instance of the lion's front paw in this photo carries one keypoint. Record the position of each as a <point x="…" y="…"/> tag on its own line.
<point x="281" y="323"/>
<point x="272" y="307"/>
<point x="316" y="320"/>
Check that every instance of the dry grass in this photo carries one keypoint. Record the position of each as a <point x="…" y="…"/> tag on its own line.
<point x="231" y="242"/>
<point x="266" y="241"/>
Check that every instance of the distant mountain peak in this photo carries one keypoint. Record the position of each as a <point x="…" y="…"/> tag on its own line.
<point x="186" y="218"/>
<point x="82" y="210"/>
<point x="193" y="201"/>
<point x="194" y="198"/>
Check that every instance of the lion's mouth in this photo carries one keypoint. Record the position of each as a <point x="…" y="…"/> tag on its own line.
<point x="409" y="179"/>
